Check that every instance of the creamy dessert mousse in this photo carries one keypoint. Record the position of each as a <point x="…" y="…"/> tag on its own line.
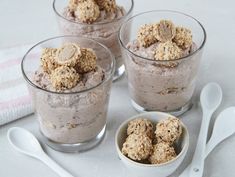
<point x="161" y="66"/>
<point x="72" y="94"/>
<point x="96" y="19"/>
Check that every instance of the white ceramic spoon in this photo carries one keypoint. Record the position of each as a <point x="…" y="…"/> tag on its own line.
<point x="26" y="143"/>
<point x="223" y="128"/>
<point x="210" y="98"/>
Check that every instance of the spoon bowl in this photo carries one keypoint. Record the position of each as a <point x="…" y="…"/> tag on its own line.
<point x="26" y="143"/>
<point x="211" y="96"/>
<point x="223" y="128"/>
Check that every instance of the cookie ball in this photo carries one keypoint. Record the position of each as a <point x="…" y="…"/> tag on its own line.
<point x="168" y="51"/>
<point x="140" y="126"/>
<point x="183" y="37"/>
<point x="87" y="61"/>
<point x="73" y="4"/>
<point x="68" y="54"/>
<point x="63" y="78"/>
<point x="48" y="61"/>
<point x="162" y="152"/>
<point x="87" y="11"/>
<point x="107" y="5"/>
<point x="168" y="130"/>
<point x="146" y="36"/>
<point x="164" y="31"/>
<point x="137" y="147"/>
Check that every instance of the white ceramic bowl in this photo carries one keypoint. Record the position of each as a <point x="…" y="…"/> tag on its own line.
<point x="156" y="170"/>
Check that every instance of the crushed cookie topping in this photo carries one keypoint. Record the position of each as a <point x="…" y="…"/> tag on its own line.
<point x="146" y="35"/>
<point x="87" y="11"/>
<point x="68" y="54"/>
<point x="87" y="62"/>
<point x="48" y="62"/>
<point x="183" y="37"/>
<point x="107" y="5"/>
<point x="64" y="77"/>
<point x="73" y="4"/>
<point x="168" y="51"/>
<point x="164" y="30"/>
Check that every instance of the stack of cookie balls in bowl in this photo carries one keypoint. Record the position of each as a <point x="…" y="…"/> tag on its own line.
<point x="152" y="144"/>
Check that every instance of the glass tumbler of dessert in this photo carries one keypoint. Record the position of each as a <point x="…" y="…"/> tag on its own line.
<point x="96" y="19"/>
<point x="162" y="56"/>
<point x="69" y="79"/>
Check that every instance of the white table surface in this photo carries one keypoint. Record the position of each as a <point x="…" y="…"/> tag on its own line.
<point x="28" y="21"/>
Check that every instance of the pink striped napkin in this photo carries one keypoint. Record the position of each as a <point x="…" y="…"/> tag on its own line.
<point x="15" y="101"/>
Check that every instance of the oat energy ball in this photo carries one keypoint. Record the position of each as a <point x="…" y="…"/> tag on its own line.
<point x="146" y="36"/>
<point x="140" y="126"/>
<point x="107" y="5"/>
<point x="168" y="130"/>
<point x="87" y="11"/>
<point x="68" y="54"/>
<point x="137" y="147"/>
<point x="183" y="37"/>
<point x="162" y="152"/>
<point x="87" y="62"/>
<point x="168" y="51"/>
<point x="48" y="62"/>
<point x="63" y="78"/>
<point x="164" y="30"/>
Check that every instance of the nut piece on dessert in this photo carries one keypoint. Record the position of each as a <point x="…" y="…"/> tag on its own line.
<point x="168" y="130"/>
<point x="137" y="147"/>
<point x="140" y="126"/>
<point x="107" y="5"/>
<point x="168" y="51"/>
<point x="87" y="11"/>
<point x="183" y="37"/>
<point x="73" y="4"/>
<point x="64" y="77"/>
<point x="87" y="62"/>
<point x="162" y="152"/>
<point x="164" y="30"/>
<point x="68" y="55"/>
<point x="48" y="62"/>
<point x="146" y="35"/>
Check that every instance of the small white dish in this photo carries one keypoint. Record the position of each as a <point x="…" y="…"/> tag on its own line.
<point x="156" y="170"/>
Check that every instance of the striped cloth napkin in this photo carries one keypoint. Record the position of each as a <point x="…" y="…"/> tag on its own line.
<point x="15" y="101"/>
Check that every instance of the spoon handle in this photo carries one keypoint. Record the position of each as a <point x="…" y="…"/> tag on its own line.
<point x="197" y="165"/>
<point x="54" y="166"/>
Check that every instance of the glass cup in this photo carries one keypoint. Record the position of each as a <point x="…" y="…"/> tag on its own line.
<point x="71" y="121"/>
<point x="104" y="32"/>
<point x="165" y="86"/>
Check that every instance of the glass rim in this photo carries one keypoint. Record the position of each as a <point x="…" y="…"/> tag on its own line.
<point x="97" y="24"/>
<point x="67" y="93"/>
<point x="163" y="61"/>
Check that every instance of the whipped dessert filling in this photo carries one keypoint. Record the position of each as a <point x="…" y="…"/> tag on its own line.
<point x="96" y="19"/>
<point x="158" y="80"/>
<point x="142" y="145"/>
<point x="76" y="117"/>
<point x="93" y="11"/>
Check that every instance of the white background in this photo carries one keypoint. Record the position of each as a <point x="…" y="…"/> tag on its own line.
<point x="30" y="21"/>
